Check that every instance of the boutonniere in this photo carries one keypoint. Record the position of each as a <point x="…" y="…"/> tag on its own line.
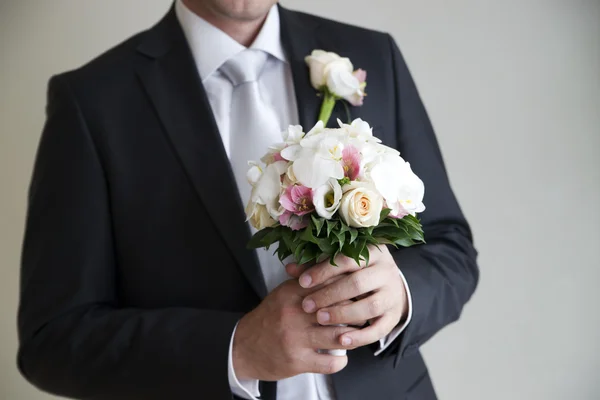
<point x="335" y="78"/>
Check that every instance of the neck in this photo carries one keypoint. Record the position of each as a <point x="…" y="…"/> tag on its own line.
<point x="243" y="31"/>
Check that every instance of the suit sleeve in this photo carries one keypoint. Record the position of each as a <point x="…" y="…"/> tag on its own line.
<point x="443" y="273"/>
<point x="75" y="339"/>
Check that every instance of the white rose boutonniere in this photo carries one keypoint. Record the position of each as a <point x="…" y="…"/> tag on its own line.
<point x="336" y="79"/>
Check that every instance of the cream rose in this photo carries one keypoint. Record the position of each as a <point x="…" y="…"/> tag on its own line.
<point x="361" y="205"/>
<point x="259" y="216"/>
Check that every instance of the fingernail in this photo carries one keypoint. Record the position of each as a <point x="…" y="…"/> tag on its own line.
<point x="308" y="305"/>
<point x="323" y="316"/>
<point x="305" y="281"/>
<point x="346" y="341"/>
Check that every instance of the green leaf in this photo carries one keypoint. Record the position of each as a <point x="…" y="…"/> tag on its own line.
<point x="364" y="253"/>
<point x="354" y="250"/>
<point x="382" y="240"/>
<point x="353" y="234"/>
<point x="307" y="235"/>
<point x="372" y="240"/>
<point x="411" y="221"/>
<point x="362" y="245"/>
<point x="326" y="247"/>
<point x="343" y="226"/>
<point x="318" y="223"/>
<point x="283" y="252"/>
<point x="389" y="231"/>
<point x="394" y="221"/>
<point x="257" y="239"/>
<point x="384" y="213"/>
<point x="416" y="235"/>
<point x="310" y="253"/>
<point x="330" y="226"/>
<point x="344" y="181"/>
<point x="273" y="236"/>
<point x="299" y="249"/>
<point x="287" y="236"/>
<point x="404" y="242"/>
<point x="341" y="236"/>
<point x="332" y="258"/>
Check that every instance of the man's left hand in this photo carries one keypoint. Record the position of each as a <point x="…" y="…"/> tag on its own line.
<point x="378" y="289"/>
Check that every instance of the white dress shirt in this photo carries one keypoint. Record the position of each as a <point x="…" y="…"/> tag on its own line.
<point x="210" y="48"/>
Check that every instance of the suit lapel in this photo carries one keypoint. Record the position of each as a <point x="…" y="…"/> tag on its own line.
<point x="171" y="80"/>
<point x="299" y="40"/>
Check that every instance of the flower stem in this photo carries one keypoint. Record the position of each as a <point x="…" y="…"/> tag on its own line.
<point x="327" y="107"/>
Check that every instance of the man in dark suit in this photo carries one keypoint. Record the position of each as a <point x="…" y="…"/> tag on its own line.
<point x="136" y="281"/>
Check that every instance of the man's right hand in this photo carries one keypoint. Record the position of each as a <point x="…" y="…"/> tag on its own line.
<point x="278" y="339"/>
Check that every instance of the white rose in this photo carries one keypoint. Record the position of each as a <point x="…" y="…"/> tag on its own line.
<point x="259" y="216"/>
<point x="340" y="80"/>
<point x="327" y="198"/>
<point x="317" y="61"/>
<point x="361" y="205"/>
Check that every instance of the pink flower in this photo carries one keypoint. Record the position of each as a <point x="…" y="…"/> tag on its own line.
<point x="293" y="221"/>
<point x="361" y="75"/>
<point x="398" y="211"/>
<point x="351" y="162"/>
<point x="297" y="199"/>
<point x="356" y="98"/>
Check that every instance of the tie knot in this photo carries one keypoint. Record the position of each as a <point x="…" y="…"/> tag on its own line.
<point x="245" y="66"/>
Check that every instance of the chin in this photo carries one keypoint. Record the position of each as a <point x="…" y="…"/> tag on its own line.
<point x="243" y="9"/>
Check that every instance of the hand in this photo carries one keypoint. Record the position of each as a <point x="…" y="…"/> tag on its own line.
<point x="379" y="290"/>
<point x="278" y="339"/>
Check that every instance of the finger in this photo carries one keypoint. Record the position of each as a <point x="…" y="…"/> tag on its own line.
<point x="324" y="271"/>
<point x="371" y="334"/>
<point x="325" y="364"/>
<point x="350" y="286"/>
<point x="319" y="287"/>
<point x="371" y="307"/>
<point x="295" y="270"/>
<point x="326" y="337"/>
<point x="358" y="324"/>
<point x="329" y="282"/>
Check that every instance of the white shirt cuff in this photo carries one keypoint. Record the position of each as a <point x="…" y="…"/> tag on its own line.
<point x="387" y="340"/>
<point x="244" y="388"/>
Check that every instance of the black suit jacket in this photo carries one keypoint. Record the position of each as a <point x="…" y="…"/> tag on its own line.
<point x="135" y="268"/>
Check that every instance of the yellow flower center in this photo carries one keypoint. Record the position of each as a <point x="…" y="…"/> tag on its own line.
<point x="303" y="206"/>
<point x="329" y="199"/>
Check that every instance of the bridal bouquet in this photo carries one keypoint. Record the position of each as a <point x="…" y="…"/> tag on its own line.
<point x="333" y="191"/>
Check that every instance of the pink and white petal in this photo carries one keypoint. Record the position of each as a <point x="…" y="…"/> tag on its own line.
<point x="286" y="201"/>
<point x="296" y="223"/>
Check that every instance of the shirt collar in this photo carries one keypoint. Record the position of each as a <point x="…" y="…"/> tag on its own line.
<point x="211" y="47"/>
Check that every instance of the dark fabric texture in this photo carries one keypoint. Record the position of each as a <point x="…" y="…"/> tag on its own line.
<point x="135" y="269"/>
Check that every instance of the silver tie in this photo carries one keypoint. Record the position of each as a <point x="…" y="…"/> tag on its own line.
<point x="253" y="123"/>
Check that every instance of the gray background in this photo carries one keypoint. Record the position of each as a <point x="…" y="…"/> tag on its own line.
<point x="513" y="89"/>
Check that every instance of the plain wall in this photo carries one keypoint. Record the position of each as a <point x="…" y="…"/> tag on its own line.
<point x="513" y="89"/>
